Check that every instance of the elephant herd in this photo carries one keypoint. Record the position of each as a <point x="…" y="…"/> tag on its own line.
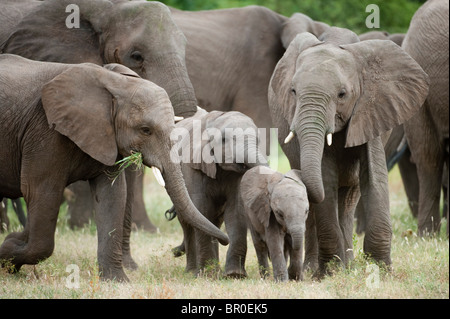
<point x="189" y="91"/>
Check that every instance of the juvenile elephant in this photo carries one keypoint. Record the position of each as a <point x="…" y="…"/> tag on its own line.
<point x="347" y="93"/>
<point x="62" y="123"/>
<point x="276" y="207"/>
<point x="212" y="169"/>
<point x="427" y="132"/>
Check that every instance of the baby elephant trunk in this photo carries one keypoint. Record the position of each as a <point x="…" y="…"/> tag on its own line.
<point x="297" y="236"/>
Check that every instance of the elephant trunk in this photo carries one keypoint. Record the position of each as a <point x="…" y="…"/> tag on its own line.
<point x="297" y="236"/>
<point x="172" y="75"/>
<point x="310" y="126"/>
<point x="176" y="189"/>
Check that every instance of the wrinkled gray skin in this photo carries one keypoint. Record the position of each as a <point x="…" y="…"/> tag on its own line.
<point x="213" y="186"/>
<point x="397" y="38"/>
<point x="73" y="122"/>
<point x="276" y="207"/>
<point x="231" y="55"/>
<point x="345" y="87"/>
<point x="139" y="35"/>
<point x="427" y="133"/>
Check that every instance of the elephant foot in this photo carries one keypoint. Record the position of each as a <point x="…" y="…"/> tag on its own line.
<point x="236" y="274"/>
<point x="129" y="263"/>
<point x="113" y="274"/>
<point x="311" y="263"/>
<point x="15" y="252"/>
<point x="296" y="275"/>
<point x="179" y="250"/>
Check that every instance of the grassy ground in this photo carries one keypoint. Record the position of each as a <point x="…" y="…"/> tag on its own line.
<point x="420" y="266"/>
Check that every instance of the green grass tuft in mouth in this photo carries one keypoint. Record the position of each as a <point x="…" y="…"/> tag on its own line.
<point x="135" y="159"/>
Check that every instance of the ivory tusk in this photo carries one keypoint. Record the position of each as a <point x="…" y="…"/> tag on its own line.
<point x="158" y="176"/>
<point x="289" y="137"/>
<point x="178" y="118"/>
<point x="329" y="139"/>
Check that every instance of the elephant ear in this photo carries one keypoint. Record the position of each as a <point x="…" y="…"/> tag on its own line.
<point x="196" y="127"/>
<point x="78" y="105"/>
<point x="255" y="188"/>
<point x="299" y="23"/>
<point x="393" y="87"/>
<point x="280" y="95"/>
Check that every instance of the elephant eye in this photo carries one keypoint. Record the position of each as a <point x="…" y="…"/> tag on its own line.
<point x="146" y="130"/>
<point x="137" y="56"/>
<point x="293" y="91"/>
<point x="342" y="93"/>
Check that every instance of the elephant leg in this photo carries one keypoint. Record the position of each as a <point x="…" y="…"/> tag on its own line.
<point x="375" y="198"/>
<point x="275" y="244"/>
<point x="348" y="201"/>
<point x="139" y="214"/>
<point x="132" y="187"/>
<point x="188" y="246"/>
<point x="311" y="245"/>
<point x="206" y="249"/>
<point x="81" y="205"/>
<point x="430" y="181"/>
<point x="109" y="205"/>
<point x="408" y="172"/>
<point x="36" y="242"/>
<point x="4" y="220"/>
<point x="236" y="227"/>
<point x="262" y="253"/>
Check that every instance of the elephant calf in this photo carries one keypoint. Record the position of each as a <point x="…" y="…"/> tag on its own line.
<point x="229" y="146"/>
<point x="276" y="206"/>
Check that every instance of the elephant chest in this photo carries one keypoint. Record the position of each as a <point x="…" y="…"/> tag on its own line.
<point x="342" y="165"/>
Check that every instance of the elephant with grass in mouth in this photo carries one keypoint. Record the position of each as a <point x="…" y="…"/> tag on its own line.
<point x="332" y="98"/>
<point x="74" y="122"/>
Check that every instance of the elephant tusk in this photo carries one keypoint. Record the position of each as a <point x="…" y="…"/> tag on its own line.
<point x="289" y="137"/>
<point x="178" y="118"/>
<point x="158" y="176"/>
<point x="329" y="139"/>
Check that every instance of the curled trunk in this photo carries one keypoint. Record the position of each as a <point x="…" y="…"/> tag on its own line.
<point x="177" y="191"/>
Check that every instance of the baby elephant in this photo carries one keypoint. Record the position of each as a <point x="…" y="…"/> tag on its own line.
<point x="276" y="206"/>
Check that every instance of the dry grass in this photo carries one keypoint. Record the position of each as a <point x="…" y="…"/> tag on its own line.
<point x="420" y="266"/>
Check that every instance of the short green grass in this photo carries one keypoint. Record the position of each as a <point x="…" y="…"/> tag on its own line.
<point x="420" y="265"/>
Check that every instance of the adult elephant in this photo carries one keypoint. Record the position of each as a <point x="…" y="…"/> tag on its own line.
<point x="212" y="168"/>
<point x="348" y="93"/>
<point x="231" y="55"/>
<point x="74" y="122"/>
<point x="427" y="132"/>
<point x="139" y="35"/>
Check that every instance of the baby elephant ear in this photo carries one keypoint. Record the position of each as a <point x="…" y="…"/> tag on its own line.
<point x="78" y="105"/>
<point x="393" y="88"/>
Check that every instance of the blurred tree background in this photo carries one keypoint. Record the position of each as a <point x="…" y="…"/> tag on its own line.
<point x="395" y="15"/>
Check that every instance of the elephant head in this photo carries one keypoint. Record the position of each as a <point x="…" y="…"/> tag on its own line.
<point x="138" y="34"/>
<point x="225" y="140"/>
<point x="108" y="115"/>
<point x="363" y="89"/>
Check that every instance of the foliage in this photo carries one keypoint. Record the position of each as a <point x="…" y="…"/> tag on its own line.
<point x="394" y="15"/>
